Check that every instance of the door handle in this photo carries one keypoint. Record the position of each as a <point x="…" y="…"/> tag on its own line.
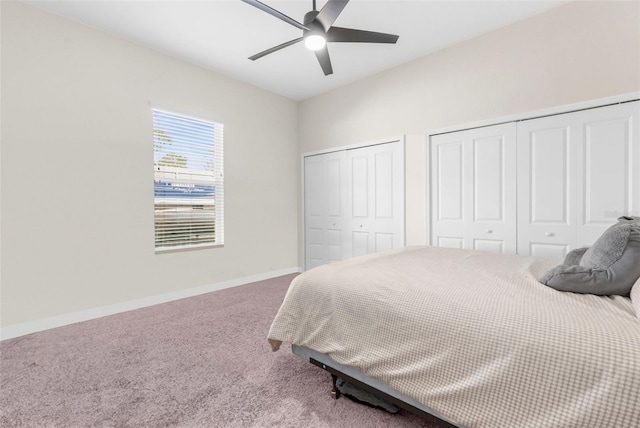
<point x="489" y="231"/>
<point x="549" y="234"/>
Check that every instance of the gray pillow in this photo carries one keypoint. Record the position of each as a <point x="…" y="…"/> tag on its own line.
<point x="610" y="267"/>
<point x="574" y="256"/>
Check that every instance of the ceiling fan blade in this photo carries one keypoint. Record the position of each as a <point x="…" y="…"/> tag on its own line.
<point x="275" y="48"/>
<point x="323" y="59"/>
<point x="339" y="34"/>
<point x="271" y="11"/>
<point x="330" y="12"/>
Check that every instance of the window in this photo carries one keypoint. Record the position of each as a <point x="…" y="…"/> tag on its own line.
<point x="188" y="182"/>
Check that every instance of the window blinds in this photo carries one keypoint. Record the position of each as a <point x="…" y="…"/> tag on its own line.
<point x="188" y="181"/>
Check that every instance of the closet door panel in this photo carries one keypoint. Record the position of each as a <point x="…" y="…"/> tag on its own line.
<point x="494" y="246"/>
<point x="383" y="185"/>
<point x="384" y="242"/>
<point x="450" y="242"/>
<point x="324" y="209"/>
<point x="334" y="192"/>
<point x="450" y="228"/>
<point x="335" y="244"/>
<point x="360" y="243"/>
<point x="488" y="179"/>
<point x="314" y="212"/>
<point x="547" y="186"/>
<point x="359" y="187"/>
<point x="361" y="198"/>
<point x="606" y="171"/>
<point x="492" y="189"/>
<point x="314" y="247"/>
<point x="548" y="251"/>
<point x="608" y="164"/>
<point x="549" y="179"/>
<point x="449" y="181"/>
<point x="313" y="188"/>
<point x="474" y="189"/>
<point x="377" y="197"/>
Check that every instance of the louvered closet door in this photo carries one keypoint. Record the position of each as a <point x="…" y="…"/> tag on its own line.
<point x="325" y="209"/>
<point x="376" y="198"/>
<point x="474" y="189"/>
<point x="577" y="172"/>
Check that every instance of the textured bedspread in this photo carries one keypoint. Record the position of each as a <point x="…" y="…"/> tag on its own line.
<point x="473" y="336"/>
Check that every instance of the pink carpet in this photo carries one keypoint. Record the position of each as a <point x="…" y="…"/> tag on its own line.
<point x="197" y="362"/>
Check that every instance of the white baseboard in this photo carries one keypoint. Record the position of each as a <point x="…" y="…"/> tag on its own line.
<point x="16" y="330"/>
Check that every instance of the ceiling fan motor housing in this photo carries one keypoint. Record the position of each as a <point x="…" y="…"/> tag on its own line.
<point x="314" y="26"/>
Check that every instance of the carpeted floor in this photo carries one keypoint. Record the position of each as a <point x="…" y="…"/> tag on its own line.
<point x="197" y="362"/>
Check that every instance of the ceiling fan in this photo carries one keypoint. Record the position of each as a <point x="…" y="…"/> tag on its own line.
<point x="318" y="30"/>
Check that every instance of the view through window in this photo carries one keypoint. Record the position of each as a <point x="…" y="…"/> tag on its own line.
<point x="188" y="181"/>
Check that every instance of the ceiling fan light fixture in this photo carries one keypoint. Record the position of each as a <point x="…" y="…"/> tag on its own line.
<point x="315" y="42"/>
<point x="318" y="29"/>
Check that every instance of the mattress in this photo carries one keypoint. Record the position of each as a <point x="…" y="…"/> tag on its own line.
<point x="472" y="336"/>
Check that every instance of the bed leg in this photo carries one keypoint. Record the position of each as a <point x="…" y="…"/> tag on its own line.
<point x="335" y="392"/>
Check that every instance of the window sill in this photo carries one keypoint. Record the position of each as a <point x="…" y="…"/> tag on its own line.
<point x="163" y="250"/>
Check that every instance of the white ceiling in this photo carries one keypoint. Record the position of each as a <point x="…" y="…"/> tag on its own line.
<point x="221" y="34"/>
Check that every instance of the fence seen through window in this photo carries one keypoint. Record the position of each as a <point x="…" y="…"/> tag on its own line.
<point x="188" y="181"/>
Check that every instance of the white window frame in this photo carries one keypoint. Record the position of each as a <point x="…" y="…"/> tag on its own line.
<point x="173" y="125"/>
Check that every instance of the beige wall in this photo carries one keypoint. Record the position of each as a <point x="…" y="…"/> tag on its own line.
<point x="576" y="52"/>
<point x="77" y="180"/>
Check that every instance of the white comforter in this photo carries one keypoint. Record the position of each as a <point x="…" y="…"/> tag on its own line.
<point x="474" y="336"/>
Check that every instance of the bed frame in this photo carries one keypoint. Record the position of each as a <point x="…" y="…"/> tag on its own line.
<point x="368" y="384"/>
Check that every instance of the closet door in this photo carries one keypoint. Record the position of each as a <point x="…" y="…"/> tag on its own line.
<point x="325" y="204"/>
<point x="608" y="167"/>
<point x="376" y="198"/>
<point x="353" y="203"/>
<point x="577" y="172"/>
<point x="474" y="189"/>
<point x="547" y="186"/>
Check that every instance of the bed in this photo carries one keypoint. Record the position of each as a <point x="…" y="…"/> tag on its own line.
<point x="470" y="337"/>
